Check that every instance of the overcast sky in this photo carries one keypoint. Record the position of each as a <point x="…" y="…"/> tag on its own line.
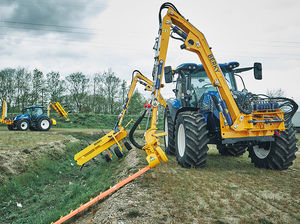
<point x="93" y="35"/>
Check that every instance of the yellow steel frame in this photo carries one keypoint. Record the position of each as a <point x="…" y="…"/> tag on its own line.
<point x="4" y="118"/>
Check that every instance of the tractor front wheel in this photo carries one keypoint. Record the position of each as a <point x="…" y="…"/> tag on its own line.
<point x="191" y="139"/>
<point x="278" y="154"/>
<point x="44" y="124"/>
<point x="11" y="128"/>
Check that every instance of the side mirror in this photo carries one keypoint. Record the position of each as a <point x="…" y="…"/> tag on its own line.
<point x="257" y="71"/>
<point x="168" y="74"/>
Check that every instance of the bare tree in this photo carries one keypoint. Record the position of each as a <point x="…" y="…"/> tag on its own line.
<point x="38" y="84"/>
<point x="7" y="89"/>
<point x="78" y="88"/>
<point x="22" y="86"/>
<point x="276" y="93"/>
<point x="55" y="87"/>
<point x="111" y="89"/>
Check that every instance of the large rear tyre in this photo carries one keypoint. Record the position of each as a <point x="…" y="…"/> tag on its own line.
<point x="23" y="125"/>
<point x="169" y="129"/>
<point x="191" y="139"/>
<point x="44" y="124"/>
<point x="277" y="155"/>
<point x="236" y="151"/>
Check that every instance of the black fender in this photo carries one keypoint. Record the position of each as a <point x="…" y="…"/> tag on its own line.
<point x="174" y="111"/>
<point x="182" y="109"/>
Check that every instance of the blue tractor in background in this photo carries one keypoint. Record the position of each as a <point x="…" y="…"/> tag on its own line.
<point x="192" y="118"/>
<point x="33" y="118"/>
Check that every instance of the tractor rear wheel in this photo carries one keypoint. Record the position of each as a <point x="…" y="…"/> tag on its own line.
<point x="191" y="139"/>
<point x="22" y="125"/>
<point x="276" y="155"/>
<point x="237" y="150"/>
<point x="44" y="124"/>
<point x="169" y="129"/>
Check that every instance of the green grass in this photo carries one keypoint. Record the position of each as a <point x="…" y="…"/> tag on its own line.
<point x="227" y="190"/>
<point x="16" y="140"/>
<point x="99" y="121"/>
<point x="52" y="186"/>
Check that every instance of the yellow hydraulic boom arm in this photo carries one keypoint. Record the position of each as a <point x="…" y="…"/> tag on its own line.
<point x="234" y="124"/>
<point x="59" y="109"/>
<point x="119" y="133"/>
<point x="4" y="118"/>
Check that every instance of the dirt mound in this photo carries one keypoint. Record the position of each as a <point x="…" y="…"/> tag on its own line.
<point x="14" y="162"/>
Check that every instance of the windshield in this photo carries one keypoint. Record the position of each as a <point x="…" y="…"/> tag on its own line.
<point x="200" y="83"/>
<point x="34" y="111"/>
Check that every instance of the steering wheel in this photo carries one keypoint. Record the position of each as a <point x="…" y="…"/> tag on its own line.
<point x="207" y="85"/>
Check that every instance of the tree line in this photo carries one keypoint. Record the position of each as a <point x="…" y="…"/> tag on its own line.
<point x="98" y="93"/>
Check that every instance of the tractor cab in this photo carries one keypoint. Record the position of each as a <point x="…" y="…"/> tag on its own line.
<point x="34" y="111"/>
<point x="193" y="83"/>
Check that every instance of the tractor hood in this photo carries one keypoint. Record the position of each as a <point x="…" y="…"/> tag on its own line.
<point x="20" y="116"/>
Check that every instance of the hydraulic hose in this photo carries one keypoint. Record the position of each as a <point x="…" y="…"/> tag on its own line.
<point x="138" y="121"/>
<point x="165" y="6"/>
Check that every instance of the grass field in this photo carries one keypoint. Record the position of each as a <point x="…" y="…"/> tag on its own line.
<point x="51" y="184"/>
<point x="227" y="190"/>
<point x="100" y="121"/>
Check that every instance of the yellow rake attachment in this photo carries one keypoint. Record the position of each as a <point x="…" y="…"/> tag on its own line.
<point x="101" y="145"/>
<point x="151" y="146"/>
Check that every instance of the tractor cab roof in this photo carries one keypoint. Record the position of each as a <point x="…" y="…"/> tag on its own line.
<point x="28" y="107"/>
<point x="193" y="66"/>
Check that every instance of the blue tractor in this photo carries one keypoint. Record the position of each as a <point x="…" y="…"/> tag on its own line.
<point x="33" y="118"/>
<point x="192" y="119"/>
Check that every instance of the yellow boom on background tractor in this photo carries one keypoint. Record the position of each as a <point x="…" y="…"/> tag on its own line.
<point x="4" y="118"/>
